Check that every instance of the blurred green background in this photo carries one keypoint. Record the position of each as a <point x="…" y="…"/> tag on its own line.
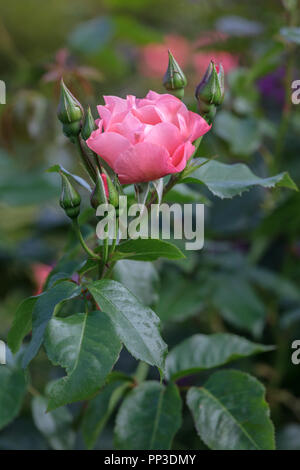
<point x="246" y="279"/>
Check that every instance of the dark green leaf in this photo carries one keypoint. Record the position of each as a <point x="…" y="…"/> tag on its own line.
<point x="238" y="303"/>
<point x="148" y="250"/>
<point x="202" y="352"/>
<point x="43" y="311"/>
<point x="136" y="325"/>
<point x="86" y="345"/>
<point x="22" y="323"/>
<point x="12" y="389"/>
<point x="148" y="418"/>
<point x="100" y="409"/>
<point x="230" y="412"/>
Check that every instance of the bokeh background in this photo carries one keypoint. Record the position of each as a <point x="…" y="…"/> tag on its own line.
<point x="246" y="279"/>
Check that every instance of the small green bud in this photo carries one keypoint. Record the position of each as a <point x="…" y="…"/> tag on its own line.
<point x="210" y="90"/>
<point x="69" y="112"/>
<point x="70" y="199"/>
<point x="174" y="79"/>
<point x="113" y="194"/>
<point x="88" y="125"/>
<point x="99" y="195"/>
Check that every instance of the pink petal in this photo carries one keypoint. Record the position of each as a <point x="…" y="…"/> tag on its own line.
<point x="197" y="125"/>
<point x="165" y="134"/>
<point x="147" y="114"/>
<point x="143" y="162"/>
<point x="109" y="145"/>
<point x="181" y="156"/>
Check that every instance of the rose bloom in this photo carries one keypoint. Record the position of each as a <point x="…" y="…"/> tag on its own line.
<point x="146" y="139"/>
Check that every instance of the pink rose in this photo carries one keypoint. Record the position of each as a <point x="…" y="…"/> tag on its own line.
<point x="145" y="139"/>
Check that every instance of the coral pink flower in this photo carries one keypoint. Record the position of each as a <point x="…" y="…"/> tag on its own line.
<point x="40" y="274"/>
<point x="145" y="139"/>
<point x="154" y="57"/>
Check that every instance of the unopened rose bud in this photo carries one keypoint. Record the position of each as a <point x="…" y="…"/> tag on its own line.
<point x="69" y="112"/>
<point x="211" y="88"/>
<point x="88" y="125"/>
<point x="100" y="192"/>
<point x="113" y="195"/>
<point x="70" y="199"/>
<point x="174" y="80"/>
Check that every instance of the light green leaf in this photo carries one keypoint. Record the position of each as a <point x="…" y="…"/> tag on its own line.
<point x="140" y="277"/>
<point x="100" y="409"/>
<point x="21" y="324"/>
<point x="136" y="325"/>
<point x="226" y="181"/>
<point x="230" y="412"/>
<point x="12" y="389"/>
<point x="55" y="425"/>
<point x="78" y="179"/>
<point x="241" y="133"/>
<point x="148" y="250"/>
<point x="149" y="418"/>
<point x="291" y="34"/>
<point x="43" y="311"/>
<point x="202" y="352"/>
<point x="86" y="345"/>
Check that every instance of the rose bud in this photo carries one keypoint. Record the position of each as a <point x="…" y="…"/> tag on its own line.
<point x="70" y="199"/>
<point x="211" y="88"/>
<point x="174" y="80"/>
<point x="69" y="112"/>
<point x="113" y="195"/>
<point x="88" y="125"/>
<point x="100" y="192"/>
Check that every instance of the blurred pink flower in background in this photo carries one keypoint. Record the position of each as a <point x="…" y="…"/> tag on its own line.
<point x="40" y="273"/>
<point x="153" y="59"/>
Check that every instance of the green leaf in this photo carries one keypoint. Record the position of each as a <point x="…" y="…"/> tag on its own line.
<point x="78" y="179"/>
<point x="291" y="34"/>
<point x="238" y="303"/>
<point x="226" y="181"/>
<point x="55" y="425"/>
<point x="12" y="389"/>
<point x="242" y="134"/>
<point x="179" y="297"/>
<point x="202" y="352"/>
<point x="86" y="345"/>
<point x="230" y="412"/>
<point x="21" y="324"/>
<point x="149" y="418"/>
<point x="136" y="325"/>
<point x="43" y="311"/>
<point x="148" y="250"/>
<point x="140" y="277"/>
<point x="100" y="409"/>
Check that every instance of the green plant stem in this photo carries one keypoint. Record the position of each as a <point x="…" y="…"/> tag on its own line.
<point x="141" y="372"/>
<point x="91" y="253"/>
